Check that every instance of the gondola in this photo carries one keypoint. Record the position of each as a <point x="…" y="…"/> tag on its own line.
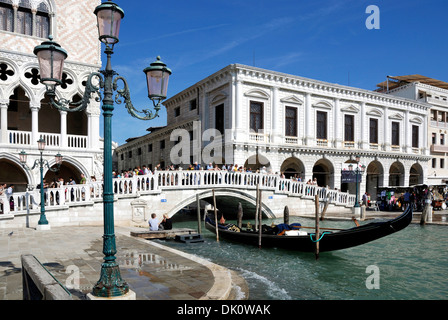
<point x="328" y="240"/>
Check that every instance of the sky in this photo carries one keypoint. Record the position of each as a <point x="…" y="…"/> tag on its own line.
<point x="321" y="39"/>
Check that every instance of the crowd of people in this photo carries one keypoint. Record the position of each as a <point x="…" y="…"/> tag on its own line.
<point x="210" y="167"/>
<point x="6" y="193"/>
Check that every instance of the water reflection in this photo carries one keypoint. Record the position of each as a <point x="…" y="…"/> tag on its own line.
<point x="136" y="260"/>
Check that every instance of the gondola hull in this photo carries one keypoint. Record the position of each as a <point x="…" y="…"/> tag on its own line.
<point x="329" y="241"/>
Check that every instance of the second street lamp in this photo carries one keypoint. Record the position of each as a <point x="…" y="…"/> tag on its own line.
<point x="41" y="162"/>
<point x="49" y="54"/>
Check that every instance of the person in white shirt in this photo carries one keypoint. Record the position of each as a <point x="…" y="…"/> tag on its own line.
<point x="153" y="223"/>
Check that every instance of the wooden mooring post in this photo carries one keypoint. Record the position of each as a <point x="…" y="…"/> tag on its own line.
<point x="198" y="212"/>
<point x="316" y="236"/>
<point x="286" y="215"/>
<point x="259" y="218"/>
<point x="240" y="215"/>
<point x="216" y="216"/>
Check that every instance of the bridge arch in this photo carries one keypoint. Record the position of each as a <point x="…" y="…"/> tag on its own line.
<point x="237" y="194"/>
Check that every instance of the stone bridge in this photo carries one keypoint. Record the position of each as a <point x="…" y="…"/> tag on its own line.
<point x="169" y="192"/>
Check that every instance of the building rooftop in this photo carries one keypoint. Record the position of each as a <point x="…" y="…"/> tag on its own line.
<point x="394" y="82"/>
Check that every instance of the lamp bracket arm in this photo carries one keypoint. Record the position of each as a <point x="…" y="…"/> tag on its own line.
<point x="35" y="165"/>
<point x="64" y="104"/>
<point x="124" y="93"/>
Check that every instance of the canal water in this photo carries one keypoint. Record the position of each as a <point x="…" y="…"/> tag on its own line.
<point x="411" y="264"/>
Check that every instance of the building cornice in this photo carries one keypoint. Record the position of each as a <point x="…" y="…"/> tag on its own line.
<point x="321" y="87"/>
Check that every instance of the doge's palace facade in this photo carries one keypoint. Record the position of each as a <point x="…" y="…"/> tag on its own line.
<point x="25" y="112"/>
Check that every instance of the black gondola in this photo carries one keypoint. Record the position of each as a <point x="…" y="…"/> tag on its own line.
<point x="328" y="240"/>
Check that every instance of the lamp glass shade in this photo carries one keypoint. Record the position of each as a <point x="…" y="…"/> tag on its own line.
<point x="51" y="57"/>
<point x="23" y="156"/>
<point x="157" y="76"/>
<point x="58" y="159"/>
<point x="109" y="17"/>
<point x="41" y="144"/>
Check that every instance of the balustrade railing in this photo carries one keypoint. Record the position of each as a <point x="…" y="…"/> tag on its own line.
<point x="17" y="137"/>
<point x="83" y="194"/>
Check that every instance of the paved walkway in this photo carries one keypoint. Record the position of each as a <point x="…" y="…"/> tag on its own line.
<point x="151" y="270"/>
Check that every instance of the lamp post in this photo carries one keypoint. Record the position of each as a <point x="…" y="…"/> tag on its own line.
<point x="358" y="171"/>
<point x="41" y="162"/>
<point x="51" y="58"/>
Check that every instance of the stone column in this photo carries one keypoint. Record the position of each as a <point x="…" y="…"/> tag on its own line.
<point x="15" y="8"/>
<point x="309" y="140"/>
<point x="33" y="22"/>
<point x="239" y="134"/>
<point x="4" y="121"/>
<point x="407" y="133"/>
<point x="424" y="139"/>
<point x="93" y="127"/>
<point x="338" y="133"/>
<point x="34" y="123"/>
<point x="386" y="131"/>
<point x="364" y="128"/>
<point x="276" y="117"/>
<point x="64" y="142"/>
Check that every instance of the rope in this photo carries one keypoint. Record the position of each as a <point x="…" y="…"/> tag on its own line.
<point x="323" y="233"/>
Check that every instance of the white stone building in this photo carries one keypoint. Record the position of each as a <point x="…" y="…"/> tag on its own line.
<point x="290" y="124"/>
<point x="25" y="114"/>
<point x="435" y="93"/>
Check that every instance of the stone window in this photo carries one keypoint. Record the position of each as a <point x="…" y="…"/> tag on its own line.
<point x="256" y="116"/>
<point x="415" y="137"/>
<point x="291" y="122"/>
<point x="321" y="125"/>
<point x="193" y="104"/>
<point x="395" y="133"/>
<point x="24" y="19"/>
<point x="373" y="130"/>
<point x="219" y="118"/>
<point x="349" y="127"/>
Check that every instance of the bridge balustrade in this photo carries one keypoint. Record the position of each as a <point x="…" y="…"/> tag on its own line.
<point x="79" y="194"/>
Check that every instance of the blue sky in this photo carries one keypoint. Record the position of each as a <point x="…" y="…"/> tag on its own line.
<point x="320" y="39"/>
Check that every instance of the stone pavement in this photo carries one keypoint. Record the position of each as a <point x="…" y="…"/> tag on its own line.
<point x="153" y="271"/>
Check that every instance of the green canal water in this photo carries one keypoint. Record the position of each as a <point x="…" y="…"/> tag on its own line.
<point x="411" y="264"/>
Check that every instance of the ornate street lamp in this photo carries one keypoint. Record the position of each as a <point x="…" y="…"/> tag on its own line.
<point x="49" y="54"/>
<point x="358" y="171"/>
<point x="41" y="162"/>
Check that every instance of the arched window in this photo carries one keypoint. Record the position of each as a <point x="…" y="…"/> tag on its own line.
<point x="42" y="21"/>
<point x="6" y="16"/>
<point x="25" y="19"/>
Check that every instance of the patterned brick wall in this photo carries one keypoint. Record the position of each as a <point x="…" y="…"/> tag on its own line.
<point x="75" y="30"/>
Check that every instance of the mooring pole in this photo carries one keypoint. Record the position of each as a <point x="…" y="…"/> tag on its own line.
<point x="286" y="215"/>
<point x="426" y="208"/>
<point x="259" y="220"/>
<point x="316" y="203"/>
<point x="256" y="206"/>
<point x="199" y="213"/>
<point x="240" y="215"/>
<point x="216" y="216"/>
